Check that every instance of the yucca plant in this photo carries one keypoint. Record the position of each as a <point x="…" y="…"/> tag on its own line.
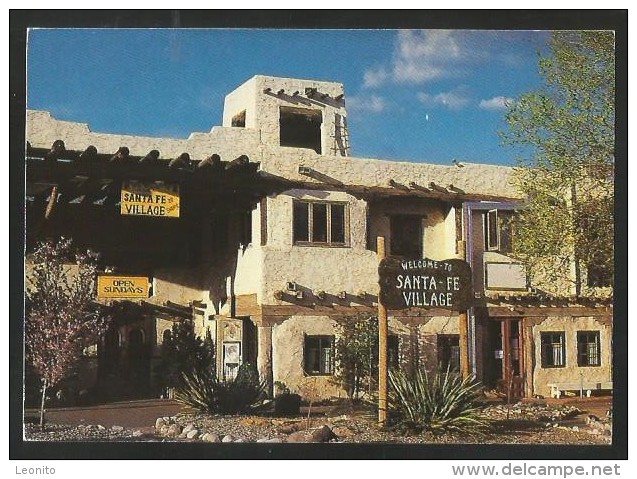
<point x="203" y="392"/>
<point x="444" y="402"/>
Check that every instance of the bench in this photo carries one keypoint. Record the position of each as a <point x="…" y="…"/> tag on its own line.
<point x="587" y="386"/>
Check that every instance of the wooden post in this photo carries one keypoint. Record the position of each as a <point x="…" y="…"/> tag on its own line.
<point x="382" y="346"/>
<point x="463" y="327"/>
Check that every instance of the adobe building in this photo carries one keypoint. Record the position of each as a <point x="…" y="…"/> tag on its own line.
<point x="264" y="231"/>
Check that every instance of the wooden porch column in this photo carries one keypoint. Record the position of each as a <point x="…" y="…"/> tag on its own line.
<point x="506" y="354"/>
<point x="463" y="325"/>
<point x="264" y="356"/>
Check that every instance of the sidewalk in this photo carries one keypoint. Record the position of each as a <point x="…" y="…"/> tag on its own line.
<point x="129" y="414"/>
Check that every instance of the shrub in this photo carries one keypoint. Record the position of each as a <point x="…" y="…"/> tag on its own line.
<point x="443" y="403"/>
<point x="201" y="390"/>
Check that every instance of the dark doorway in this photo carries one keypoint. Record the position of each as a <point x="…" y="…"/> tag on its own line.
<point x="301" y="128"/>
<point x="406" y="236"/>
<point x="138" y="358"/>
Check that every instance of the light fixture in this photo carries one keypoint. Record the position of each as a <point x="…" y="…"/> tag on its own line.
<point x="305" y="170"/>
<point x="299" y="295"/>
<point x="267" y="90"/>
<point x="280" y="92"/>
<point x="291" y="286"/>
<point x="320" y="294"/>
<point x="339" y="97"/>
<point x="342" y="295"/>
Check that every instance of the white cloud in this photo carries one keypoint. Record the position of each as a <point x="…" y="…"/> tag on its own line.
<point x="421" y="56"/>
<point x="454" y="100"/>
<point x="375" y="77"/>
<point x="370" y="104"/>
<point x="424" y="55"/>
<point x="496" y="103"/>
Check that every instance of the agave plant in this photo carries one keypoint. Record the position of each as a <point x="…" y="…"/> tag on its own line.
<point x="202" y="391"/>
<point x="445" y="402"/>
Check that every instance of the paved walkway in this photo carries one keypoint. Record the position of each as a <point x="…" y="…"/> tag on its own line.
<point x="130" y="414"/>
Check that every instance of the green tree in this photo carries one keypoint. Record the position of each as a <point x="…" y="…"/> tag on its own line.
<point x="183" y="352"/>
<point x="62" y="317"/>
<point x="356" y="354"/>
<point x="564" y="232"/>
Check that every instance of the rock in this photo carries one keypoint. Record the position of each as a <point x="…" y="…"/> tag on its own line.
<point x="173" y="430"/>
<point x="575" y="428"/>
<point x="192" y="434"/>
<point x="591" y="418"/>
<point x="138" y="433"/>
<point x="117" y="428"/>
<point x="240" y="440"/>
<point x="100" y="427"/>
<point x="343" y="431"/>
<point x="189" y="427"/>
<point x="323" y="434"/>
<point x="299" y="436"/>
<point x="228" y="438"/>
<point x="274" y="439"/>
<point x="159" y="423"/>
<point x="210" y="437"/>
<point x="164" y="429"/>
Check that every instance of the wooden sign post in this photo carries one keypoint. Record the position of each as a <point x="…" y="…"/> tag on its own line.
<point x="420" y="283"/>
<point x="382" y="346"/>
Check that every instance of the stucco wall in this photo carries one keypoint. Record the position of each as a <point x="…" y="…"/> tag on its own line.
<point x="330" y="269"/>
<point x="287" y="356"/>
<point x="571" y="372"/>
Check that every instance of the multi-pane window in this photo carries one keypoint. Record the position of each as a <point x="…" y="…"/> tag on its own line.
<point x="319" y="223"/>
<point x="553" y="350"/>
<point x="588" y="353"/>
<point x="449" y="352"/>
<point x="319" y="355"/>
<point x="498" y="230"/>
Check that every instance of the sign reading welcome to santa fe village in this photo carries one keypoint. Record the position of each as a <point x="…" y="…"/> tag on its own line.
<point x="425" y="283"/>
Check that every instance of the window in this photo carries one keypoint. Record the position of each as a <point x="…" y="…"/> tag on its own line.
<point x="300" y="128"/>
<point x="553" y="350"/>
<point x="588" y="348"/>
<point x="320" y="223"/>
<point x="449" y="352"/>
<point x="498" y="230"/>
<point x="406" y="235"/>
<point x="393" y="358"/>
<point x="319" y="355"/>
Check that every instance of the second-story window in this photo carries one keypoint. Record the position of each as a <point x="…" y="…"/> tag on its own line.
<point x="320" y="223"/>
<point x="498" y="230"/>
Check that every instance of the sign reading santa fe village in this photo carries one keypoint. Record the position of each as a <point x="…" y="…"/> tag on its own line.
<point x="154" y="199"/>
<point x="425" y="283"/>
<point x="109" y="286"/>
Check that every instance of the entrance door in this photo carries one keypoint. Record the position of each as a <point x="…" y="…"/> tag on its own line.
<point x="512" y="358"/>
<point x="406" y="236"/>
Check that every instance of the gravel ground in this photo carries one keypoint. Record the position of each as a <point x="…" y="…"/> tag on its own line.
<point x="518" y="424"/>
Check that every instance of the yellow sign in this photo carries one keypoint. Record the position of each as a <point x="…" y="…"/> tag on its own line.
<point x="157" y="199"/>
<point x="109" y="286"/>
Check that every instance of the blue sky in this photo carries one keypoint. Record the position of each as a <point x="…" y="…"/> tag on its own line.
<point x="413" y="95"/>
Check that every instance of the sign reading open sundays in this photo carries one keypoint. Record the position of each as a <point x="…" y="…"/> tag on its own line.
<point x="141" y="199"/>
<point x="425" y="283"/>
<point x="109" y="286"/>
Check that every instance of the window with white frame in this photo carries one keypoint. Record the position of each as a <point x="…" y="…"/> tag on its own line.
<point x="588" y="351"/>
<point x="320" y="223"/>
<point x="498" y="230"/>
<point x="553" y="349"/>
